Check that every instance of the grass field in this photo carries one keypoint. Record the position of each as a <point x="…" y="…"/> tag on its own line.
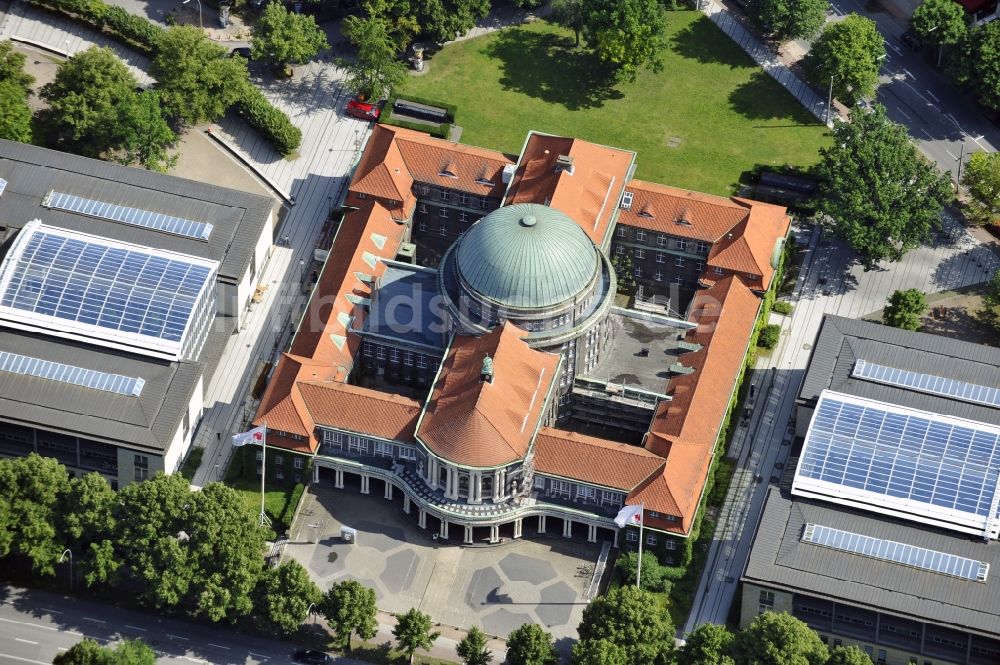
<point x="710" y="115"/>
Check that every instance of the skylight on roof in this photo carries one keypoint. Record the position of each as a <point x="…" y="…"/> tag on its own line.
<point x="927" y="383"/>
<point x="901" y="553"/>
<point x="78" y="376"/>
<point x="177" y="226"/>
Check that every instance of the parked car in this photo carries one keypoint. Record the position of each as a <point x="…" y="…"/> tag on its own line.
<point x="241" y="51"/>
<point x="311" y="657"/>
<point x="363" y="110"/>
<point x="910" y="40"/>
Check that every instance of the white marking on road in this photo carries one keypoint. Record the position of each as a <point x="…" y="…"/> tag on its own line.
<point x="258" y="655"/>
<point x="951" y="154"/>
<point x="24" y="660"/>
<point x="908" y="73"/>
<point x="933" y="97"/>
<point x="177" y="637"/>
<point x="36" y="625"/>
<point x="18" y="639"/>
<point x="135" y="628"/>
<point x="94" y="620"/>
<point x="927" y="134"/>
<point x="217" y="646"/>
<point x="45" y="609"/>
<point x="904" y="114"/>
<point x="894" y="48"/>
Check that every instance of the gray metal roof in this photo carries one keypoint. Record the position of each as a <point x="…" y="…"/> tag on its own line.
<point x="407" y="307"/>
<point x="527" y="256"/>
<point x="31" y="172"/>
<point x="842" y="341"/>
<point x="780" y="559"/>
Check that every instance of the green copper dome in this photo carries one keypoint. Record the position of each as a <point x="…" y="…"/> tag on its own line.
<point x="527" y="256"/>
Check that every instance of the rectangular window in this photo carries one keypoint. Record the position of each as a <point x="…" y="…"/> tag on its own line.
<point x="699" y="265"/>
<point x="679" y="262"/>
<point x="445" y="195"/>
<point x="298" y="463"/>
<point x="362" y="196"/>
<point x="560" y="487"/>
<point x="633" y="535"/>
<point x="356" y="444"/>
<point x="766" y="603"/>
<point x="539" y="483"/>
<point x="260" y="455"/>
<point x="279" y="474"/>
<point x="640" y="235"/>
<point x="702" y="247"/>
<point x="422" y="361"/>
<point x="680" y="243"/>
<point x="650" y="538"/>
<point x="677" y="279"/>
<point x="640" y="253"/>
<point x="670" y="544"/>
<point x="608" y="496"/>
<point x="369" y="349"/>
<point x="661" y="257"/>
<point x="423" y="225"/>
<point x="484" y="203"/>
<point x="463" y="216"/>
<point x="408" y="358"/>
<point x="619" y="250"/>
<point x="383" y="449"/>
<point x="586" y="493"/>
<point x="661" y="240"/>
<point x="141" y="473"/>
<point x="406" y="452"/>
<point x="637" y="271"/>
<point x="394" y="355"/>
<point x="422" y="207"/>
<point x="443" y="212"/>
<point x="141" y="461"/>
<point x="423" y="190"/>
<point x="279" y="460"/>
<point x="622" y="232"/>
<point x="380" y="352"/>
<point x="718" y="271"/>
<point x="463" y="198"/>
<point x="658" y="276"/>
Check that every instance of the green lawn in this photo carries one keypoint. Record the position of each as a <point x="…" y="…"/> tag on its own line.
<point x="710" y="115"/>
<point x="280" y="501"/>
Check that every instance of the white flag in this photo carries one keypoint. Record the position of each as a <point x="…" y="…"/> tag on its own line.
<point x="629" y="515"/>
<point x="256" y="435"/>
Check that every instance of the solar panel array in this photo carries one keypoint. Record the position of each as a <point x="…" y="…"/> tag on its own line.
<point x="877" y="451"/>
<point x="111" y="287"/>
<point x="901" y="553"/>
<point x="116" y="213"/>
<point x="927" y="383"/>
<point x="88" y="378"/>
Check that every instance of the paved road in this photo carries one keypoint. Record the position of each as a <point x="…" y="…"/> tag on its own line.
<point x="37" y="625"/>
<point x="824" y="286"/>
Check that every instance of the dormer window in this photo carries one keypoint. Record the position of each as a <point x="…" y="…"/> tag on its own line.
<point x="447" y="171"/>
<point x="683" y="222"/>
<point x="485" y="181"/>
<point x="646" y="212"/>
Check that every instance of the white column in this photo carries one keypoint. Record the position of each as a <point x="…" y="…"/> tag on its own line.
<point x="616" y="538"/>
<point x="497" y="475"/>
<point x="518" y="526"/>
<point x="316" y="473"/>
<point x="422" y="519"/>
<point x="468" y="535"/>
<point x="541" y="524"/>
<point x="338" y="478"/>
<point x="432" y="472"/>
<point x="364" y="483"/>
<point x="494" y="534"/>
<point x="502" y="485"/>
<point x="477" y="488"/>
<point x="591" y="533"/>
<point x="406" y="504"/>
<point x="388" y="490"/>
<point x="567" y="528"/>
<point x="444" y="530"/>
<point x="449" y="477"/>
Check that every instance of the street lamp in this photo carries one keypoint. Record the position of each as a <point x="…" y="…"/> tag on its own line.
<point x="311" y="611"/>
<point x="200" y="24"/>
<point x="62" y="558"/>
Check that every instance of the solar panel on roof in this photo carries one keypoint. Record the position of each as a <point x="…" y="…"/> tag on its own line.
<point x="116" y="213"/>
<point x="927" y="383"/>
<point x="901" y="553"/>
<point x="918" y="465"/>
<point x="88" y="378"/>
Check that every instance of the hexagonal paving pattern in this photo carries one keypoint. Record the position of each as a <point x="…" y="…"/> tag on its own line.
<point x="483" y="589"/>
<point x="557" y="604"/>
<point x="400" y="569"/>
<point x="521" y="568"/>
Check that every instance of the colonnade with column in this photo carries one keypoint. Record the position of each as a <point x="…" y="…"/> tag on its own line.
<point x="452" y="481"/>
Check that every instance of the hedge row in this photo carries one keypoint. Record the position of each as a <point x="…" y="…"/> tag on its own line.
<point x="440" y="131"/>
<point x="270" y="121"/>
<point x="143" y="34"/>
<point x="450" y="109"/>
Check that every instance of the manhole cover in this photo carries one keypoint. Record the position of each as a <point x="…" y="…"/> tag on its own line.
<point x="332" y="557"/>
<point x="673" y="141"/>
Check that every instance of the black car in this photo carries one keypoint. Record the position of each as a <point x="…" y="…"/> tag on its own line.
<point x="910" y="40"/>
<point x="311" y="657"/>
<point x="241" y="51"/>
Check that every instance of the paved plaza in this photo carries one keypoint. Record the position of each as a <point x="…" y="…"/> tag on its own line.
<point x="497" y="588"/>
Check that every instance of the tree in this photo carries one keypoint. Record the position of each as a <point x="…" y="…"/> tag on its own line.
<point x="882" y="196"/>
<point x="529" y="644"/>
<point x="86" y="101"/>
<point x="349" y="607"/>
<point x="788" y="19"/>
<point x="133" y="652"/>
<point x="653" y="578"/>
<point x="599" y="652"/>
<point x="283" y="597"/>
<point x="196" y="79"/>
<point x="472" y="648"/>
<point x="145" y="134"/>
<point x="939" y="22"/>
<point x="32" y="487"/>
<point x="282" y="37"/>
<point x="443" y="20"/>
<point x="12" y="66"/>
<point x="86" y="526"/>
<point x="413" y="631"/>
<point x="708" y="644"/>
<point x="630" y="618"/>
<point x="992" y="296"/>
<point x="375" y="70"/>
<point x="778" y="639"/>
<point x="982" y="178"/>
<point x="904" y="309"/>
<point x="15" y="114"/>
<point x="626" y="34"/>
<point x="570" y="14"/>
<point x="850" y="52"/>
<point x="84" y="652"/>
<point x="851" y="655"/>
<point x="979" y="55"/>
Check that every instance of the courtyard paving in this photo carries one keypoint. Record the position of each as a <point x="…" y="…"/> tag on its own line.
<point x="496" y="588"/>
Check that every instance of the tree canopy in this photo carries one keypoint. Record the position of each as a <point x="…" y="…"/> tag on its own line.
<point x="529" y="644"/>
<point x="375" y="69"/>
<point x="708" y="644"/>
<point x="850" y="52"/>
<point x="882" y="196"/>
<point x="196" y="79"/>
<point x="631" y="619"/>
<point x="349" y="607"/>
<point x="88" y="652"/>
<point x="472" y="648"/>
<point x="413" y="631"/>
<point x="982" y="178"/>
<point x="12" y="66"/>
<point x="778" y="638"/>
<point x="904" y="309"/>
<point x="626" y="34"/>
<point x="436" y="20"/>
<point x="939" y="22"/>
<point x="15" y="114"/>
<point x="282" y="598"/>
<point x="31" y="488"/>
<point x="789" y="19"/>
<point x="570" y="14"/>
<point x="281" y="36"/>
<point x="851" y="655"/>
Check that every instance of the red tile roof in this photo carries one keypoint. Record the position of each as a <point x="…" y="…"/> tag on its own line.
<point x="589" y="195"/>
<point x="381" y="174"/>
<point x="474" y="170"/>
<point x="592" y="460"/>
<point x="680" y="212"/>
<point x="485" y="424"/>
<point x="750" y="249"/>
<point x="362" y="410"/>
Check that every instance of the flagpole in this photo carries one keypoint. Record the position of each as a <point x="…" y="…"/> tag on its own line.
<point x="638" y="568"/>
<point x="263" y="474"/>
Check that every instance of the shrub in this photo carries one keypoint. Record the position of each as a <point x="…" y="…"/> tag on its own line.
<point x="135" y="29"/>
<point x="769" y="336"/>
<point x="270" y="121"/>
<point x="440" y="131"/>
<point x="783" y="307"/>
<point x="653" y="574"/>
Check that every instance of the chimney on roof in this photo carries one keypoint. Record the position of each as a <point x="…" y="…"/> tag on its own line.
<point x="486" y="374"/>
<point x="564" y="163"/>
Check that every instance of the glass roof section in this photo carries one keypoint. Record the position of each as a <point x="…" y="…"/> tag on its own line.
<point x="104" y="292"/>
<point x="927" y="383"/>
<point x="901" y="553"/>
<point x="921" y="466"/>
<point x="88" y="378"/>
<point x="177" y="226"/>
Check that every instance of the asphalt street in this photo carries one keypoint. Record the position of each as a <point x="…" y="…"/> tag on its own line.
<point x="36" y="625"/>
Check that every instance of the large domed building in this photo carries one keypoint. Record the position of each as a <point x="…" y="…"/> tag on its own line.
<point x="535" y="267"/>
